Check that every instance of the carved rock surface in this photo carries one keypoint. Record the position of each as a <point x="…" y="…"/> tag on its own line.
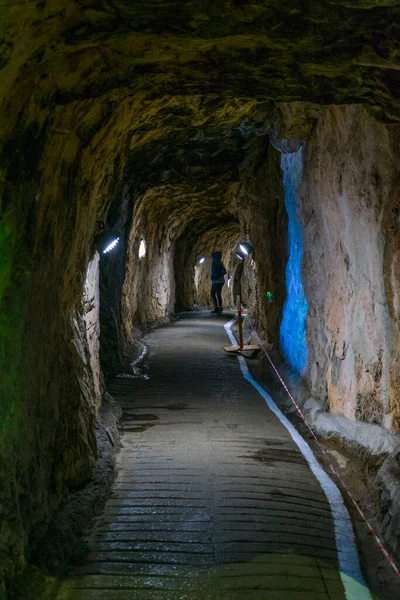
<point x="348" y="207"/>
<point x="155" y="117"/>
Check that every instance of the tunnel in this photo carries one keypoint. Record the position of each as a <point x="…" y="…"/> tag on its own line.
<point x="171" y="131"/>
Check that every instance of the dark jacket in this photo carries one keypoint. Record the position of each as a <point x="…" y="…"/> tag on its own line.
<point x="217" y="269"/>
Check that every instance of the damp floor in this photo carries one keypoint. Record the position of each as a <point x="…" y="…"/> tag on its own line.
<point x="212" y="499"/>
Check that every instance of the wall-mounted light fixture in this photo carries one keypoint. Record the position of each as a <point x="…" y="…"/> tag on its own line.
<point x="246" y="248"/>
<point x="201" y="260"/>
<point x="105" y="239"/>
<point x="142" y="249"/>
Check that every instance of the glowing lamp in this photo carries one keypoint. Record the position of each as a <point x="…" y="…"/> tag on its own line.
<point x="201" y="260"/>
<point x="142" y="249"/>
<point x="111" y="246"/>
<point x="106" y="239"/>
<point x="246" y="248"/>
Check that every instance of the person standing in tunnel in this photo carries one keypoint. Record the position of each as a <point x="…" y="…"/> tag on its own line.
<point x="218" y="273"/>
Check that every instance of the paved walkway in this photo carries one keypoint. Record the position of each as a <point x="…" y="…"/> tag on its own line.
<point x="213" y="499"/>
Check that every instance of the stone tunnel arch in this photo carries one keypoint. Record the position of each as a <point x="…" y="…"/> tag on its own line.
<point x="133" y="114"/>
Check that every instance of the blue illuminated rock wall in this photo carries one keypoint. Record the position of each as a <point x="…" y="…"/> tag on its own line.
<point x="293" y="338"/>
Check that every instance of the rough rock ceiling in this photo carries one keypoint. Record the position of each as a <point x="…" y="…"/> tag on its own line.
<point x="188" y="84"/>
<point x="327" y="51"/>
<point x="181" y="160"/>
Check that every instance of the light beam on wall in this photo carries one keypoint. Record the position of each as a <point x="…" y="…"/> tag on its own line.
<point x="293" y="339"/>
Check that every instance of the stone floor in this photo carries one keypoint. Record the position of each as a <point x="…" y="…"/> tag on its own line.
<point x="213" y="499"/>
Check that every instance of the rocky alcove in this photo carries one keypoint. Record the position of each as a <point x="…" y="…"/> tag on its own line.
<point x="192" y="127"/>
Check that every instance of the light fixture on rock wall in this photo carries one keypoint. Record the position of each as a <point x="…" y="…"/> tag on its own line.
<point x="105" y="239"/>
<point x="142" y="249"/>
<point x="246" y="248"/>
<point x="201" y="260"/>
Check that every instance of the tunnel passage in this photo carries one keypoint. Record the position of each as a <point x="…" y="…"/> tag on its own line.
<point x="176" y="127"/>
<point x="185" y="205"/>
<point x="214" y="499"/>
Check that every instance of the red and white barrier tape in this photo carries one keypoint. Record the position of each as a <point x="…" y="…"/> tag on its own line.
<point x="329" y="462"/>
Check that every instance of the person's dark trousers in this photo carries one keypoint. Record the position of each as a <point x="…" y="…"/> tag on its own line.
<point x="216" y="290"/>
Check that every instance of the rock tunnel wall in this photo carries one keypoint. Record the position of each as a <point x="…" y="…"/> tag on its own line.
<point x="102" y="102"/>
<point x="347" y="206"/>
<point x="259" y="202"/>
<point x="149" y="291"/>
<point x="91" y="316"/>
<point x="348" y="211"/>
<point x="49" y="381"/>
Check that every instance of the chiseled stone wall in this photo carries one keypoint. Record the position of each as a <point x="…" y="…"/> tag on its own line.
<point x="91" y="316"/>
<point x="259" y="202"/>
<point x="96" y="96"/>
<point x="348" y="208"/>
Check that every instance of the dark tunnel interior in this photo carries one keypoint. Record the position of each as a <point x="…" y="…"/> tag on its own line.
<point x="189" y="128"/>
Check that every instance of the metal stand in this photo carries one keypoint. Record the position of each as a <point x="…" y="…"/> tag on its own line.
<point x="242" y="347"/>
